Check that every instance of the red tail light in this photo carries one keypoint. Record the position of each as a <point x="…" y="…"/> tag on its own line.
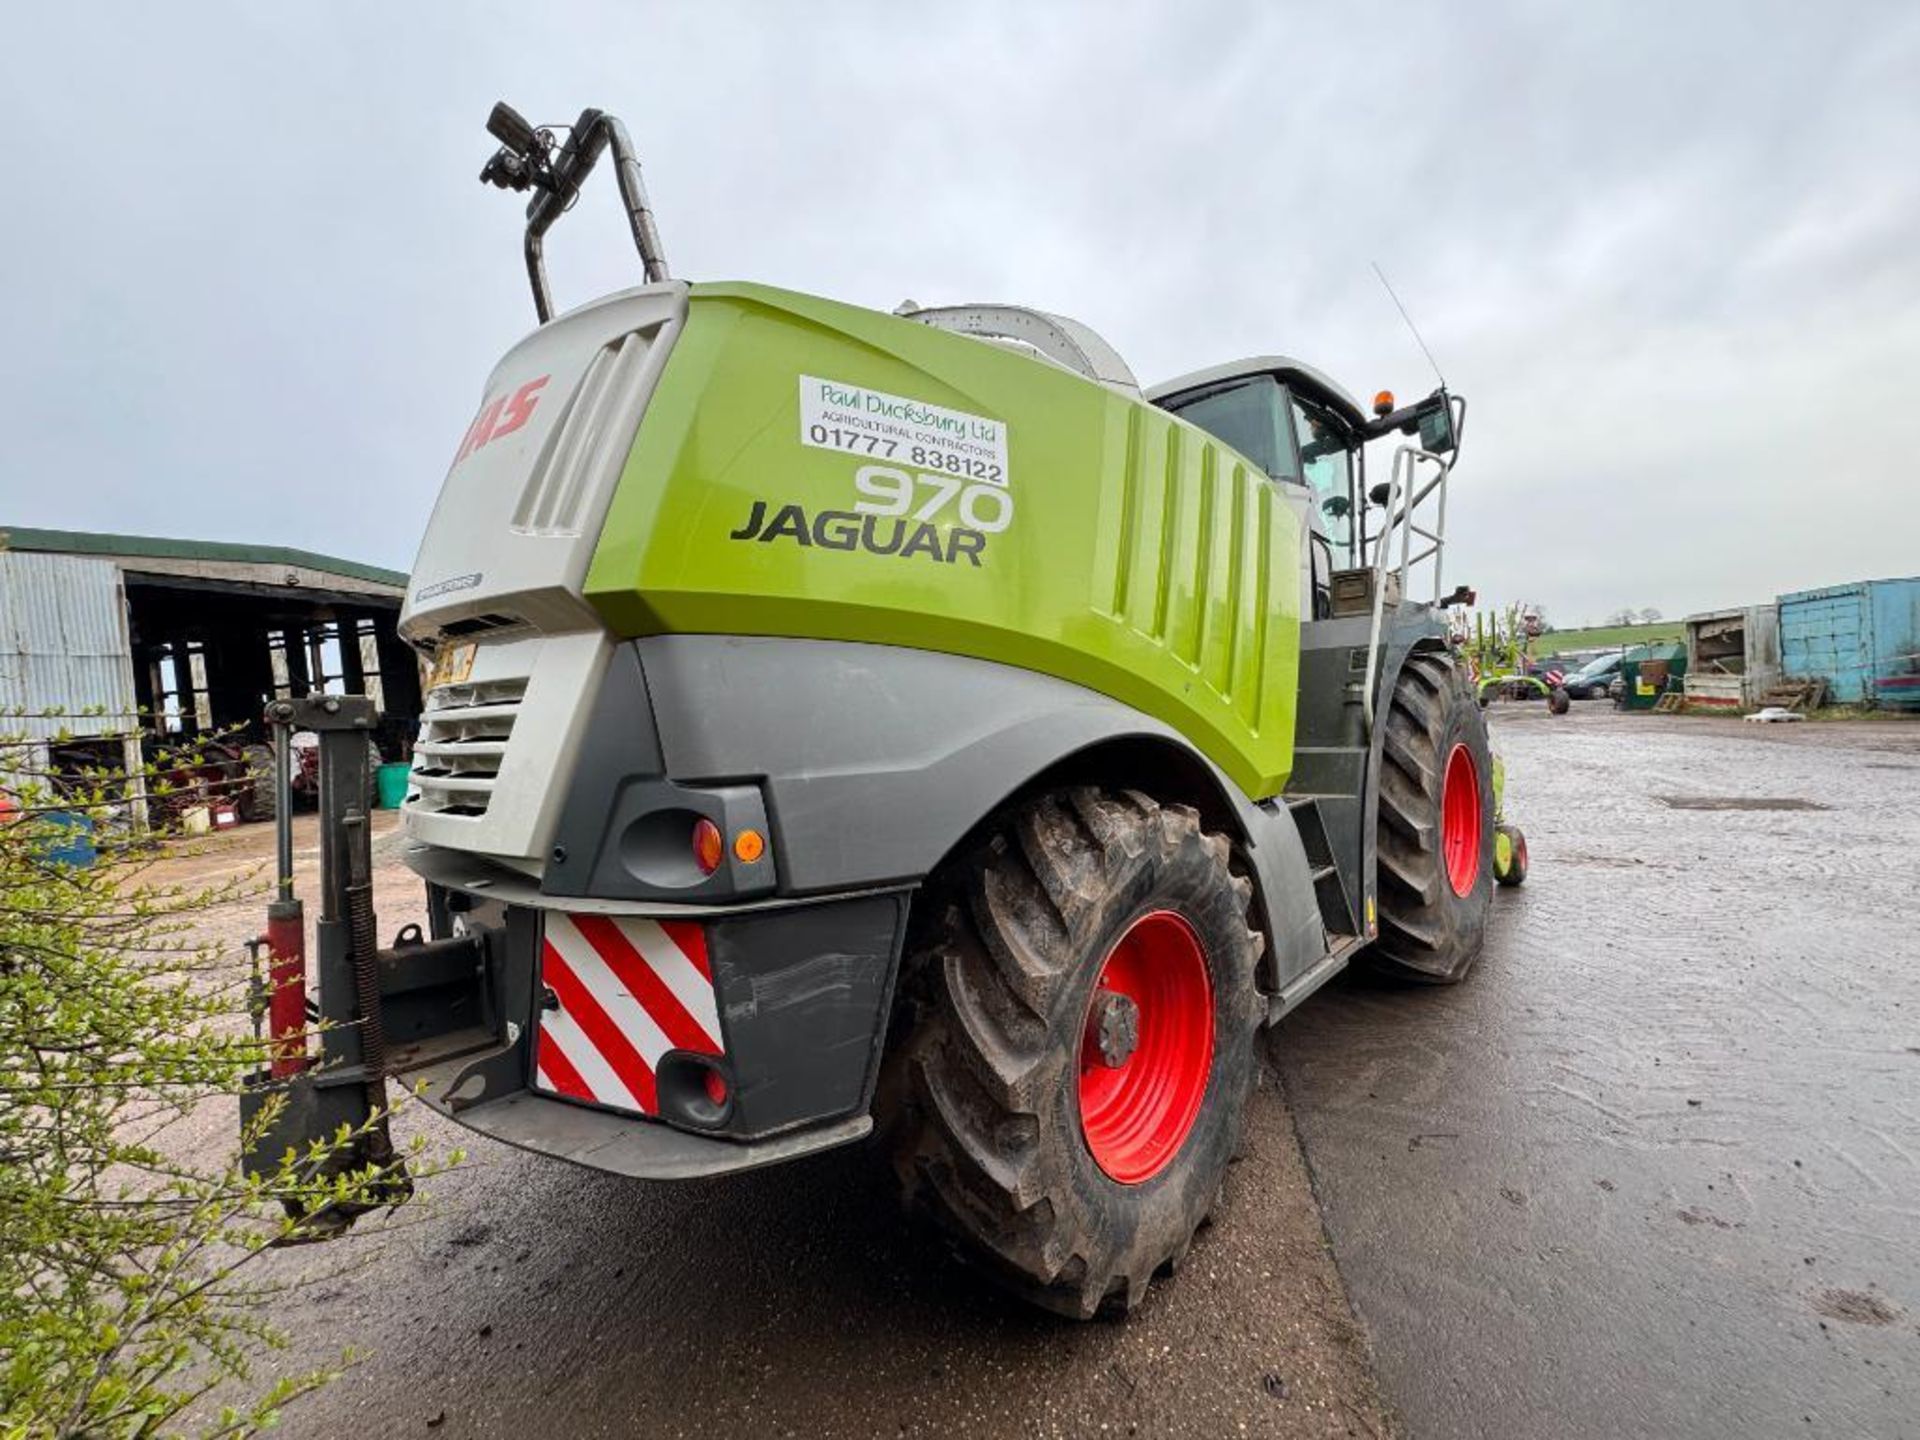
<point x="709" y="846"/>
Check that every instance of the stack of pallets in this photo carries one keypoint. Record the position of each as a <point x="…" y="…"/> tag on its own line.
<point x="1797" y="695"/>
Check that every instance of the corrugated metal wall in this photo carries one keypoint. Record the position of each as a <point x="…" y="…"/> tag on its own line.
<point x="1863" y="640"/>
<point x="63" y="646"/>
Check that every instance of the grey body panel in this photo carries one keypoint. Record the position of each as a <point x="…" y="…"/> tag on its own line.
<point x="804" y="998"/>
<point x="876" y="760"/>
<point x="620" y="779"/>
<point x="1331" y="745"/>
<point x="869" y="764"/>
<point x="1336" y="759"/>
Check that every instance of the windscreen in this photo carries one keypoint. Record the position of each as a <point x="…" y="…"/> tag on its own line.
<point x="1248" y="414"/>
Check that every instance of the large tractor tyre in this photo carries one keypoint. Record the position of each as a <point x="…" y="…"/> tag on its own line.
<point x="1435" y="832"/>
<point x="1076" y="1052"/>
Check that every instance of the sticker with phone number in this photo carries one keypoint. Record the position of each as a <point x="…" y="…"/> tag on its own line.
<point x="858" y="420"/>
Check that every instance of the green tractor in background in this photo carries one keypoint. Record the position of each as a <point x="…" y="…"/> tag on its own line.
<point x="1499" y="652"/>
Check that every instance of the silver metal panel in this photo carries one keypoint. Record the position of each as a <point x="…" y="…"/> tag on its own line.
<point x="1058" y="338"/>
<point x="63" y="646"/>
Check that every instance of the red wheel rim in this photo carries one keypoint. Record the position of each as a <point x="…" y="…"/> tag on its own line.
<point x="1460" y="821"/>
<point x="1137" y="1113"/>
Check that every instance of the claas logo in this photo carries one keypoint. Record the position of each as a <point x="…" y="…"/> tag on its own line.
<point x="502" y="415"/>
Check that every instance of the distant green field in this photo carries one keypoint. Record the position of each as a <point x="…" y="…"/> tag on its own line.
<point x="1602" y="637"/>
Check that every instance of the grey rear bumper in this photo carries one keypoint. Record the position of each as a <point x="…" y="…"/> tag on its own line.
<point x="641" y="1149"/>
<point x="800" y="994"/>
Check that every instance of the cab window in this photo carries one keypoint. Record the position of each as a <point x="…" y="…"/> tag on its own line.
<point x="1249" y="414"/>
<point x="1326" y="468"/>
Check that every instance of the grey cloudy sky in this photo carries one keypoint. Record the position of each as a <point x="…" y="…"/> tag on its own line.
<point x="1670" y="251"/>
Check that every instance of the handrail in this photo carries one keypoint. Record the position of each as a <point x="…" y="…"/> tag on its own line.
<point x="1402" y="501"/>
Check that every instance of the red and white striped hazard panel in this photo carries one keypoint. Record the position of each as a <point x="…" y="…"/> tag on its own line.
<point x="630" y="990"/>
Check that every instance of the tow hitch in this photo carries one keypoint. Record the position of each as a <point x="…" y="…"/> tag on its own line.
<point x="338" y="1085"/>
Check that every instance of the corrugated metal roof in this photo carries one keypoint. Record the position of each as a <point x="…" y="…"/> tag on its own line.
<point x="63" y="647"/>
<point x="86" y="542"/>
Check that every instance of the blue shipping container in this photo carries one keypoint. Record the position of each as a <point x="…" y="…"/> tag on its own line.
<point x="1862" y="639"/>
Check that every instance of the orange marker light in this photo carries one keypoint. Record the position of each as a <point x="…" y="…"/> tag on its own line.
<point x="709" y="847"/>
<point x="1383" y="403"/>
<point x="749" y="845"/>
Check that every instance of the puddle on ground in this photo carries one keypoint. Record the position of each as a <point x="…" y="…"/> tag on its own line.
<point x="1738" y="802"/>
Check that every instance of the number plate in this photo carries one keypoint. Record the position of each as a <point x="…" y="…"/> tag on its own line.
<point x="452" y="666"/>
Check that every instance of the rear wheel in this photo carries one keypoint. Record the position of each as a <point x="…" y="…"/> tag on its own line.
<point x="1435" y="830"/>
<point x="1080" y="1013"/>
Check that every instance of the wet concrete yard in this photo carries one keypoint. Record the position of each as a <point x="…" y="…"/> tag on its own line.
<point x="1655" y="1169"/>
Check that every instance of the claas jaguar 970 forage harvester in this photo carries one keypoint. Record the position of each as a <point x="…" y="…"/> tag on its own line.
<point x="843" y="721"/>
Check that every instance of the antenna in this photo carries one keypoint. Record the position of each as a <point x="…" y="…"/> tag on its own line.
<point x="1410" y="325"/>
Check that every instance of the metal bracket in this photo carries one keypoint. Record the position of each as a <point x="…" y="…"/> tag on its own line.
<point x="325" y="712"/>
<point x="526" y="160"/>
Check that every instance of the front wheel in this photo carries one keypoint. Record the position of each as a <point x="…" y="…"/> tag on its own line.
<point x="1435" y="832"/>
<point x="1080" y="1015"/>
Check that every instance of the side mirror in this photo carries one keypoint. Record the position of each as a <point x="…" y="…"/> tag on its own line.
<point x="1436" y="427"/>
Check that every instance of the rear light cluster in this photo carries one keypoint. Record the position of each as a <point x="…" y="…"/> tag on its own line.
<point x="710" y="846"/>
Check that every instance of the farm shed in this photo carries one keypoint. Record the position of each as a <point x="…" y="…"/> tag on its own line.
<point x="195" y="636"/>
<point x="1733" y="657"/>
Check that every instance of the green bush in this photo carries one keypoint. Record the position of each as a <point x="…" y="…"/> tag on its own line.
<point x="127" y="1306"/>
